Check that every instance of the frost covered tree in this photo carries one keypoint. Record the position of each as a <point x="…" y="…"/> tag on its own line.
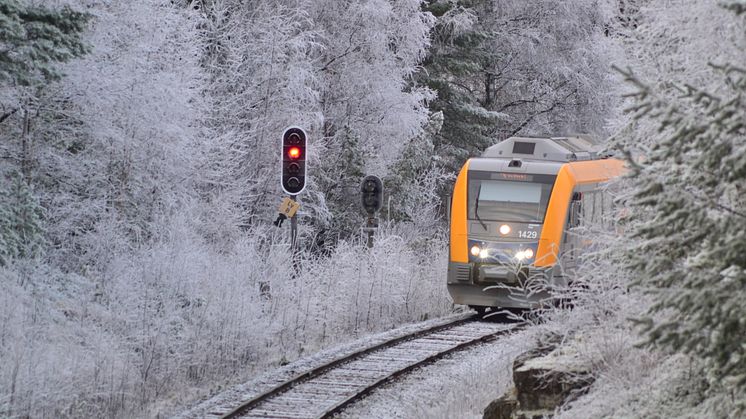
<point x="340" y="69"/>
<point x="512" y="67"/>
<point x="114" y="142"/>
<point x="688" y="243"/>
<point x="415" y="181"/>
<point x="550" y="68"/>
<point x="35" y="41"/>
<point x="455" y="62"/>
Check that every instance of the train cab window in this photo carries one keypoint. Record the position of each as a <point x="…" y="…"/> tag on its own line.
<point x="509" y="200"/>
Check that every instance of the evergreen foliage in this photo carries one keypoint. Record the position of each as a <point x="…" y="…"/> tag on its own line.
<point x="21" y="225"/>
<point x="689" y="240"/>
<point x="516" y="68"/>
<point x="416" y="179"/>
<point x="34" y="38"/>
<point x="457" y="55"/>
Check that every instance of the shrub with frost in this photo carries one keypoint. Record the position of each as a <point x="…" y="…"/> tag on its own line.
<point x="688" y="238"/>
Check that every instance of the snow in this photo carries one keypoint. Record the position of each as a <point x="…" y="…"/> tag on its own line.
<point x="461" y="385"/>
<point x="139" y="270"/>
<point x="268" y="380"/>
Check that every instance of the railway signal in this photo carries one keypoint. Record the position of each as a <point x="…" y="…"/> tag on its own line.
<point x="293" y="172"/>
<point x="372" y="194"/>
<point x="293" y="160"/>
<point x="372" y="199"/>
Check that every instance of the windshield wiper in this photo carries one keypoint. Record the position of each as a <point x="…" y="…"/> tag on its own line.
<point x="476" y="209"/>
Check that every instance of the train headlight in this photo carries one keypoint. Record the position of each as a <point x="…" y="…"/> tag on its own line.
<point x="504" y="229"/>
<point x="475" y="250"/>
<point x="524" y="254"/>
<point x="484" y="253"/>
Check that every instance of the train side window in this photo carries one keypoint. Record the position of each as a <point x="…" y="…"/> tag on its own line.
<point x="598" y="208"/>
<point x="588" y="207"/>
<point x="604" y="215"/>
<point x="575" y="210"/>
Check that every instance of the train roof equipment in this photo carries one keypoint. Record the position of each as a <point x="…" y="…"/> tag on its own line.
<point x="557" y="149"/>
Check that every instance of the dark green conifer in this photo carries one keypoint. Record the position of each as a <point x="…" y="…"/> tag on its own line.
<point x="33" y="39"/>
<point x="456" y="59"/>
<point x="21" y="225"/>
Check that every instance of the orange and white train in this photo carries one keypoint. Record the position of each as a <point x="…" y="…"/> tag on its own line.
<point x="510" y="213"/>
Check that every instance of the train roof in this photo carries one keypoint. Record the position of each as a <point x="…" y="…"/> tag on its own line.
<point x="554" y="149"/>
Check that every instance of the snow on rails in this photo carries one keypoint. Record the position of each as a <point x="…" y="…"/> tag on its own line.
<point x="329" y="386"/>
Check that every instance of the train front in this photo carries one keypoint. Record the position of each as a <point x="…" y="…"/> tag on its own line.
<point x="498" y="212"/>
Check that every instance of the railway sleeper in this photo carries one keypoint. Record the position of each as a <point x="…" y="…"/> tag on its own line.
<point x="319" y="388"/>
<point x="359" y="374"/>
<point x="343" y="383"/>
<point x="416" y="353"/>
<point x="453" y="337"/>
<point x="271" y="414"/>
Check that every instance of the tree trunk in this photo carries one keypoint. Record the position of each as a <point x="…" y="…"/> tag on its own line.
<point x="25" y="144"/>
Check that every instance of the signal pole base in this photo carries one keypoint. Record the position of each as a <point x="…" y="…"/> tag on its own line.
<point x="371" y="226"/>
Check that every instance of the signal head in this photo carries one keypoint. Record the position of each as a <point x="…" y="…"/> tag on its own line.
<point x="372" y="194"/>
<point x="293" y="160"/>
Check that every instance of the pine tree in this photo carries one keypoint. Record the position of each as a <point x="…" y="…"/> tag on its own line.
<point x="34" y="38"/>
<point x="689" y="225"/>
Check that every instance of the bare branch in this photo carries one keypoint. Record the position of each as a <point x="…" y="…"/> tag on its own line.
<point x="8" y="115"/>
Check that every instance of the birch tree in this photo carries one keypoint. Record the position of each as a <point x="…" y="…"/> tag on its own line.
<point x="340" y="69"/>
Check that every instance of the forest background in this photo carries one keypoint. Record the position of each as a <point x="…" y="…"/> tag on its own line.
<point x="138" y="155"/>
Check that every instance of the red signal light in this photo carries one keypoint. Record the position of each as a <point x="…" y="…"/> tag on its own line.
<point x="292" y="160"/>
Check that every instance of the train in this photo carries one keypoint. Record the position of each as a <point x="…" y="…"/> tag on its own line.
<point x="512" y="214"/>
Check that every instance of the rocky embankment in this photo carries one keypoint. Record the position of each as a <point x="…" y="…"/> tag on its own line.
<point x="540" y="385"/>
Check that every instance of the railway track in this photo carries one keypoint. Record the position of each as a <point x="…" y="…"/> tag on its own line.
<point x="330" y="387"/>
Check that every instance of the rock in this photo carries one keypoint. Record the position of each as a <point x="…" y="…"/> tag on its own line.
<point x="539" y="388"/>
<point x="502" y="408"/>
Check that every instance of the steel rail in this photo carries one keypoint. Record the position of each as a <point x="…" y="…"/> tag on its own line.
<point x="315" y="372"/>
<point x="429" y="360"/>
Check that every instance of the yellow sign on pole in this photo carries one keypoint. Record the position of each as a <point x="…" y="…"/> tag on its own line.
<point x="289" y="207"/>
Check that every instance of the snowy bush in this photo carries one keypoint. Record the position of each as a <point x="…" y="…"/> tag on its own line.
<point x="691" y="237"/>
<point x="179" y="315"/>
<point x="675" y="267"/>
<point x="686" y="244"/>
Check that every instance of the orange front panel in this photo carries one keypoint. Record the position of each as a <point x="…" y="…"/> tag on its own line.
<point x="554" y="221"/>
<point x="459" y="232"/>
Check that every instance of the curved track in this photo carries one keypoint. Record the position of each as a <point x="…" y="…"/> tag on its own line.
<point x="329" y="388"/>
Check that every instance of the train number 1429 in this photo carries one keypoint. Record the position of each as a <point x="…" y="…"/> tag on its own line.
<point x="526" y="234"/>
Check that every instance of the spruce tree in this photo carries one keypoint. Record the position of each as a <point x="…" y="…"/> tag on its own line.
<point x="34" y="38"/>
<point x="21" y="225"/>
<point x="457" y="55"/>
<point x="689" y="221"/>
